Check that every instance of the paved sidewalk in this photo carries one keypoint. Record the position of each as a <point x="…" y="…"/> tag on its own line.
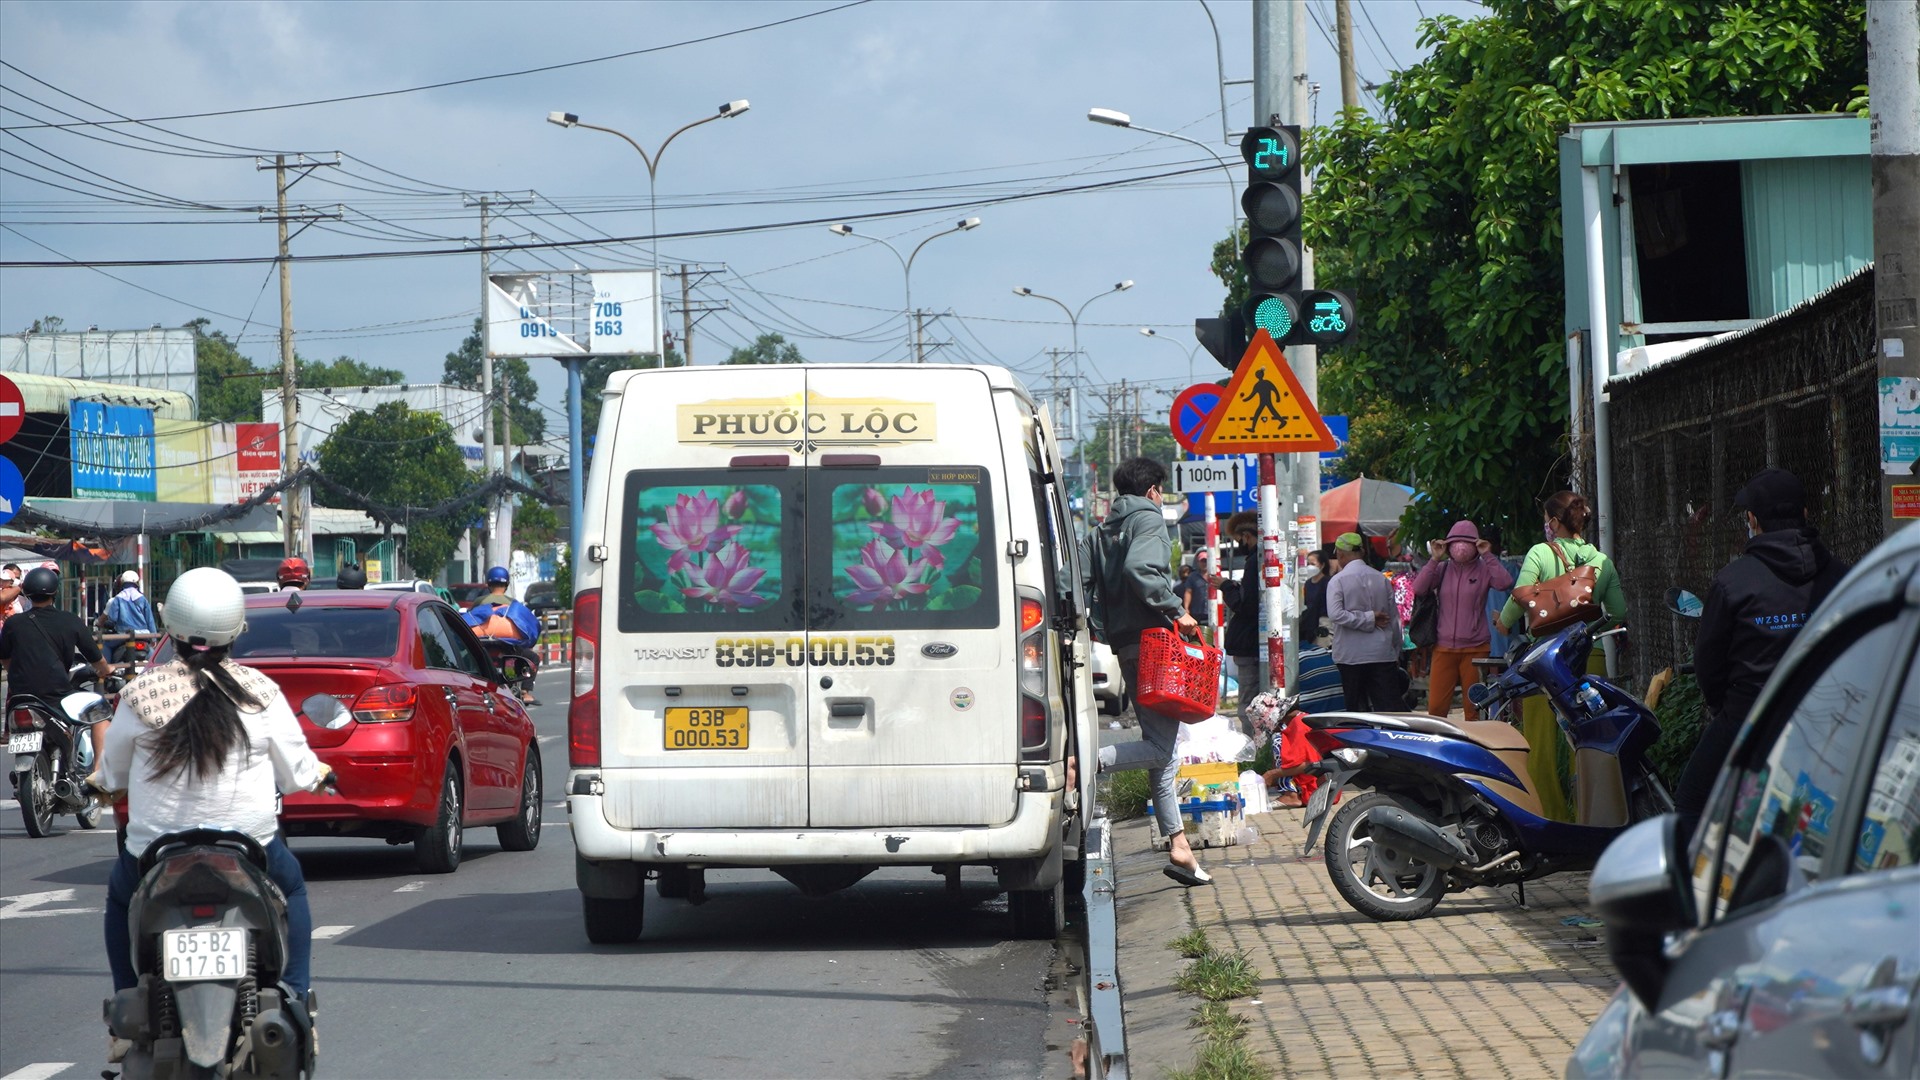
<point x="1480" y="988"/>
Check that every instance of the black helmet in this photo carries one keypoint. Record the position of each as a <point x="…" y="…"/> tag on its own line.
<point x="351" y="577"/>
<point x="40" y="582"/>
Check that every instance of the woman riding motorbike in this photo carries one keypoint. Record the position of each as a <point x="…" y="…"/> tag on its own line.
<point x="203" y="742"/>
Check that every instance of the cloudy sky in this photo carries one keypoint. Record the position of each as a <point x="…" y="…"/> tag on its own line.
<point x="924" y="110"/>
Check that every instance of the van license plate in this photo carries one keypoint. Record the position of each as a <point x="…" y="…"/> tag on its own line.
<point x="201" y="955"/>
<point x="27" y="742"/>
<point x="707" y="729"/>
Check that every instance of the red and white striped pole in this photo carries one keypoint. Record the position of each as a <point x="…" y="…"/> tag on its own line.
<point x="1272" y="574"/>
<point x="1214" y="620"/>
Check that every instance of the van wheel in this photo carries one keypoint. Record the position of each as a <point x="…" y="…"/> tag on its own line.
<point x="617" y="921"/>
<point x="438" y="849"/>
<point x="523" y="832"/>
<point x="673" y="882"/>
<point x="1036" y="915"/>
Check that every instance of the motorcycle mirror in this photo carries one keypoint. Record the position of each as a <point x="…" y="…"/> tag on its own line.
<point x="1479" y="693"/>
<point x="79" y="706"/>
<point x="1684" y="604"/>
<point x="325" y="710"/>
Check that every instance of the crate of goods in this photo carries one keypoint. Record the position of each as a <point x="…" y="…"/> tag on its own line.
<point x="1208" y="774"/>
<point x="1211" y="818"/>
<point x="1178" y="678"/>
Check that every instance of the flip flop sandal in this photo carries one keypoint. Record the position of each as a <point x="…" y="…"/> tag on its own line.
<point x="1189" y="878"/>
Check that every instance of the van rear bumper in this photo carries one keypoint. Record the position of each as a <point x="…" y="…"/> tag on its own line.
<point x="1034" y="829"/>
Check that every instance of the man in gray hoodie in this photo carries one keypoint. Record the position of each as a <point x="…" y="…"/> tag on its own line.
<point x="1132" y="589"/>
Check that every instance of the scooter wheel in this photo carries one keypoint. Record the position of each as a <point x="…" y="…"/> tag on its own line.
<point x="1378" y="880"/>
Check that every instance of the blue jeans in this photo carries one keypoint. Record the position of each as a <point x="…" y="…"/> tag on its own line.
<point x="282" y="867"/>
<point x="1154" y="751"/>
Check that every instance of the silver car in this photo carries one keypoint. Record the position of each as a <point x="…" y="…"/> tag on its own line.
<point x="1785" y="939"/>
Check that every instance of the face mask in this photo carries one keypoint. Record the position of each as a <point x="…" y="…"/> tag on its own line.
<point x="1751" y="531"/>
<point x="1547" y="529"/>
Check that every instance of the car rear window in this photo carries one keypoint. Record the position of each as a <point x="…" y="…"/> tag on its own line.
<point x="710" y="550"/>
<point x="317" y="631"/>
<point x="903" y="549"/>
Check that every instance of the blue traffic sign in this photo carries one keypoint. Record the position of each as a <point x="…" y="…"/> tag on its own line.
<point x="13" y="490"/>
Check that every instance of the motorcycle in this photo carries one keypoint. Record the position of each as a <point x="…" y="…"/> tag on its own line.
<point x="52" y="753"/>
<point x="1452" y="805"/>
<point x="209" y="944"/>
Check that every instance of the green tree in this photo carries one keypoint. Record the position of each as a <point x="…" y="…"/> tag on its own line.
<point x="401" y="457"/>
<point x="767" y="349"/>
<point x="228" y="384"/>
<point x="512" y="379"/>
<point x="535" y="524"/>
<point x="1443" y="218"/>
<point x="342" y="371"/>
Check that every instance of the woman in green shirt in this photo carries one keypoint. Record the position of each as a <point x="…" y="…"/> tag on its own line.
<point x="1567" y="517"/>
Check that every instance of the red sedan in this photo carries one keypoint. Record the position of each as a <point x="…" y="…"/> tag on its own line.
<point x="398" y="696"/>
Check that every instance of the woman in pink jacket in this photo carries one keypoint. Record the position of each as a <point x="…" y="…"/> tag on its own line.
<point x="1464" y="570"/>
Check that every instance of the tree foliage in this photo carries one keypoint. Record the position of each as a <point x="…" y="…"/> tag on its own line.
<point x="401" y="457"/>
<point x="512" y="379"/>
<point x="767" y="349"/>
<point x="1443" y="220"/>
<point x="342" y="371"/>
<point x="227" y="383"/>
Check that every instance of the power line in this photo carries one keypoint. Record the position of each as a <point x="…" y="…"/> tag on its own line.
<point x="1362" y="4"/>
<point x="449" y="82"/>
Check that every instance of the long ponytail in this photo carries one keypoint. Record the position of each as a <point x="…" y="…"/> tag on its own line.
<point x="201" y="736"/>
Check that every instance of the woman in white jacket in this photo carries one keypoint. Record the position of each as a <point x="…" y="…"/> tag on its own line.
<point x="202" y="742"/>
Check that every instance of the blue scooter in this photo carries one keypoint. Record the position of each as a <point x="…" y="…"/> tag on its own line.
<point x="1451" y="805"/>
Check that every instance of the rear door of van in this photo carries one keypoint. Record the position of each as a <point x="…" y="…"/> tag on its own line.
<point x="911" y="681"/>
<point x="704" y="707"/>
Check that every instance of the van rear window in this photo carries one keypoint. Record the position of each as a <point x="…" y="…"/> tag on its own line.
<point x="904" y="548"/>
<point x="708" y="550"/>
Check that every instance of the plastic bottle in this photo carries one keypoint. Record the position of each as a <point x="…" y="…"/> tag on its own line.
<point x="1590" y="699"/>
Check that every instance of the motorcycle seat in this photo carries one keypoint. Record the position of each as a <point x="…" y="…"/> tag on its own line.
<point x="1491" y="734"/>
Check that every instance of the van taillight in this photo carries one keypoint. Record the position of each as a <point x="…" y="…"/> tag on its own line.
<point x="1033" y="724"/>
<point x="25" y="720"/>
<point x="583" y="714"/>
<point x="385" y="704"/>
<point x="1030" y="614"/>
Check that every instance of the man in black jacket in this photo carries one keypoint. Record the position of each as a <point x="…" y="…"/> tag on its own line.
<point x="1753" y="611"/>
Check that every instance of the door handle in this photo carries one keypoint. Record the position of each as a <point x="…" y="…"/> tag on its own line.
<point x="1721" y="1028"/>
<point x="848" y="708"/>
<point x="1878" y="1007"/>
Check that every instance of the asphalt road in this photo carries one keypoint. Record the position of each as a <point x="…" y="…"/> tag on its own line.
<point x="488" y="972"/>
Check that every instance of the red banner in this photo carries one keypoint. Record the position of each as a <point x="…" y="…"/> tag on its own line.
<point x="257" y="454"/>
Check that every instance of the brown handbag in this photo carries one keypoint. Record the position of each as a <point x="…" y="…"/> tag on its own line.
<point x="1559" y="602"/>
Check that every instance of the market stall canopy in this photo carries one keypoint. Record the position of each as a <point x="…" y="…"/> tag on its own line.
<point x="1366" y="506"/>
<point x="53" y="394"/>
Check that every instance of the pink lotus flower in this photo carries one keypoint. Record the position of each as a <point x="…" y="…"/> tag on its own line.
<point x="692" y="528"/>
<point x="875" y="502"/>
<point x="919" y="521"/>
<point x="884" y="574"/>
<point x="726" y="579"/>
<point x="736" y="504"/>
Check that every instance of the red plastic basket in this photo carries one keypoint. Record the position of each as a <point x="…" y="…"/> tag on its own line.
<point x="1178" y="678"/>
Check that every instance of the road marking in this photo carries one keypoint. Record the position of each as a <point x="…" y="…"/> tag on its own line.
<point x="39" y="1070"/>
<point x="16" y="907"/>
<point x="412" y="886"/>
<point x="9" y="804"/>
<point x="548" y="738"/>
<point x="321" y="933"/>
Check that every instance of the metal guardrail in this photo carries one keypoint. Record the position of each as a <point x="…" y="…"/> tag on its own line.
<point x="1106" y="1023"/>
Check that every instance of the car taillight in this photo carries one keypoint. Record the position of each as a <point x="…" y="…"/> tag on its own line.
<point x="385" y="704"/>
<point x="1036" y="725"/>
<point x="583" y="714"/>
<point x="1033" y="724"/>
<point x="25" y="720"/>
<point x="1030" y="614"/>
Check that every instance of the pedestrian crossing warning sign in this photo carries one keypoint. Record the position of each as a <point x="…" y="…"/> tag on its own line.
<point x="1263" y="410"/>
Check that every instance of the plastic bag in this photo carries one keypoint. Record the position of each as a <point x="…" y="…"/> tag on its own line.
<point x="1213" y="739"/>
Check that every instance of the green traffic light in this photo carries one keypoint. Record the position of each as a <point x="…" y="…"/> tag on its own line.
<point x="1273" y="316"/>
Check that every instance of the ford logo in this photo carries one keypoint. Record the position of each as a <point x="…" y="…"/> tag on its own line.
<point x="938" y="650"/>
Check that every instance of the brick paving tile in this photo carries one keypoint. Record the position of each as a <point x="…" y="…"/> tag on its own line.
<point x="1479" y="989"/>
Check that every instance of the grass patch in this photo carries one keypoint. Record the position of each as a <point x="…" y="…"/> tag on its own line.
<point x="1223" y="1060"/>
<point x="1218" y="976"/>
<point x="1218" y="1021"/>
<point x="1193" y="944"/>
<point x="1128" y="793"/>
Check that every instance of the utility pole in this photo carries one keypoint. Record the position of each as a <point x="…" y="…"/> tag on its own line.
<point x="1349" y="81"/>
<point x="1893" y="57"/>
<point x="690" y="311"/>
<point x="492" y="553"/>
<point x="293" y="509"/>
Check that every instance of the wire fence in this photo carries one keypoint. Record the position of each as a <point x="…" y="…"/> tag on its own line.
<point x="1796" y="393"/>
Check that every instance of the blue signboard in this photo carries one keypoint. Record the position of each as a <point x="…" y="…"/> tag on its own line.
<point x="13" y="489"/>
<point x="1331" y="458"/>
<point x="112" y="452"/>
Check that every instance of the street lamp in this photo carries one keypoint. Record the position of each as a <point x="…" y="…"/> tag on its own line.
<point x="727" y="112"/>
<point x="1115" y="118"/>
<point x="906" y="270"/>
<point x="1157" y="336"/>
<point x="1073" y="317"/>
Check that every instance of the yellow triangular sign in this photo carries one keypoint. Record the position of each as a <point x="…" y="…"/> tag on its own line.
<point x="1263" y="410"/>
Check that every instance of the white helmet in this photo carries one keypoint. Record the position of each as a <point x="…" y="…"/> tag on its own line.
<point x="206" y="607"/>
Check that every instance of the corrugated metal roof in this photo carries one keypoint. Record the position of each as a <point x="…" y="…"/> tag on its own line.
<point x="53" y="393"/>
